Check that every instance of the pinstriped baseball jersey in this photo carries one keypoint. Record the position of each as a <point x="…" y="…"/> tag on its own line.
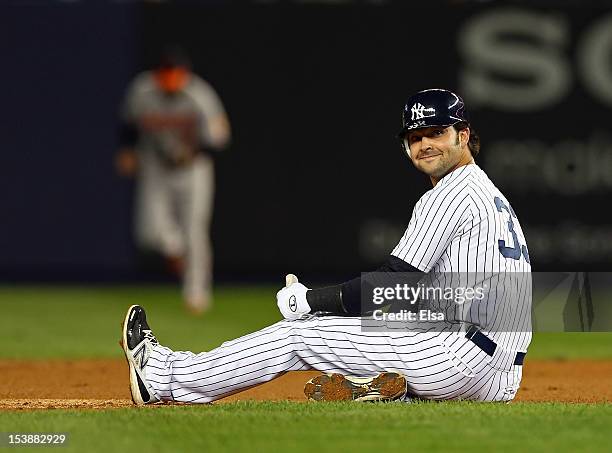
<point x="464" y="232"/>
<point x="456" y="226"/>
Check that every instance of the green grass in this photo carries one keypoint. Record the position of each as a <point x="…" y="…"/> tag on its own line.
<point x="290" y="427"/>
<point x="74" y="322"/>
<point x="571" y="345"/>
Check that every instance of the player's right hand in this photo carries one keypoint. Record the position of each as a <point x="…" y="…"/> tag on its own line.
<point x="291" y="300"/>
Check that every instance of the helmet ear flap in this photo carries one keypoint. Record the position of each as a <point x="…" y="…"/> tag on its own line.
<point x="406" y="146"/>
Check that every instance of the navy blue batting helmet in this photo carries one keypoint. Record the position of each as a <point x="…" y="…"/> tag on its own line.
<point x="433" y="107"/>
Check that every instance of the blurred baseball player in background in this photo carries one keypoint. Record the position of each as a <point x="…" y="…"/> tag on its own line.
<point x="172" y="121"/>
<point x="463" y="225"/>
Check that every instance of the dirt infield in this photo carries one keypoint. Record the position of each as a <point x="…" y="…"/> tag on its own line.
<point x="93" y="384"/>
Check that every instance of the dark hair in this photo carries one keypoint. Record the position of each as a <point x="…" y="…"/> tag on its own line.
<point x="474" y="141"/>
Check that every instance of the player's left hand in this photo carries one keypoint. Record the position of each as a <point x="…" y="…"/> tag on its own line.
<point x="291" y="300"/>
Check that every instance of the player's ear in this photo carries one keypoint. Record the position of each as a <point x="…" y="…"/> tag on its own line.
<point x="464" y="136"/>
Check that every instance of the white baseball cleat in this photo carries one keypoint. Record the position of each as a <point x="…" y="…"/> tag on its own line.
<point x="386" y="386"/>
<point x="137" y="342"/>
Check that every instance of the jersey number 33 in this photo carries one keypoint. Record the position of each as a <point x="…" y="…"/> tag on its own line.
<point x="517" y="250"/>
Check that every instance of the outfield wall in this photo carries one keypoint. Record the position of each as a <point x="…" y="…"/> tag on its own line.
<point x="314" y="181"/>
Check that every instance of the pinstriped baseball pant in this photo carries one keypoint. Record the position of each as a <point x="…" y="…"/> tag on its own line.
<point x="437" y="365"/>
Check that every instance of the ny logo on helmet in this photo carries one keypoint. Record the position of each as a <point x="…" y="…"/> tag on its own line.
<point x="419" y="111"/>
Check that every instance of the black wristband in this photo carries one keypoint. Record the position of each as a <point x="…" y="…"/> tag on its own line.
<point x="327" y="300"/>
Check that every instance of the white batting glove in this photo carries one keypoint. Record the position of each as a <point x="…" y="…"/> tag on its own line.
<point x="291" y="300"/>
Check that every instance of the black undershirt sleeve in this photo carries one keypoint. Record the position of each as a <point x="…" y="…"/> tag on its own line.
<point x="345" y="299"/>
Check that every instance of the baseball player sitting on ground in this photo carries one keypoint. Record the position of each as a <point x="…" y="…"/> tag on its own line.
<point x="463" y="225"/>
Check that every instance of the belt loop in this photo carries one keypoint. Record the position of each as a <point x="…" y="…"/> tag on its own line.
<point x="471" y="332"/>
<point x="481" y="340"/>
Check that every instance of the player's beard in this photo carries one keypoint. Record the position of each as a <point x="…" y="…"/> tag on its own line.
<point x="447" y="161"/>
